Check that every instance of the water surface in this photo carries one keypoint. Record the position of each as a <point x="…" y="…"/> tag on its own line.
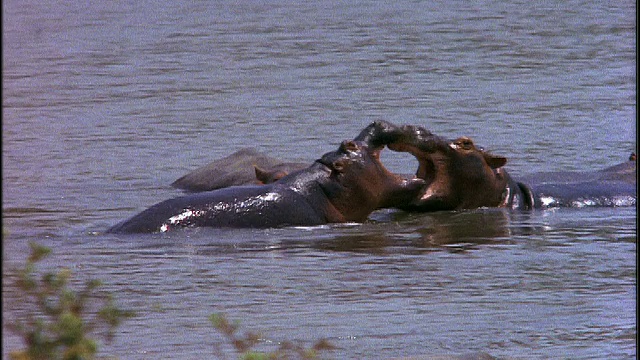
<point x="106" y="104"/>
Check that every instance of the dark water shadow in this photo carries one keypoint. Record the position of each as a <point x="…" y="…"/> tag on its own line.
<point x="389" y="232"/>
<point x="457" y="231"/>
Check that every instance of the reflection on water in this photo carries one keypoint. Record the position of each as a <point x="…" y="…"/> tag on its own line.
<point x="417" y="284"/>
<point x="452" y="231"/>
<point x="106" y="104"/>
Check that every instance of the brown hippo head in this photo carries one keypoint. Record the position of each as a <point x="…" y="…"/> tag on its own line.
<point x="375" y="136"/>
<point x="359" y="183"/>
<point x="458" y="174"/>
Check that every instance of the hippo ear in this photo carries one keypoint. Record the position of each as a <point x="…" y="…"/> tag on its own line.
<point x="261" y="175"/>
<point x="268" y="177"/>
<point x="494" y="161"/>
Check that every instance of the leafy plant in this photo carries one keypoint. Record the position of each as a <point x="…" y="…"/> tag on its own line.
<point x="244" y="344"/>
<point x="58" y="322"/>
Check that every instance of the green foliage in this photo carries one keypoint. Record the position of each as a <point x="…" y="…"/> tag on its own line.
<point x="57" y="320"/>
<point x="243" y="344"/>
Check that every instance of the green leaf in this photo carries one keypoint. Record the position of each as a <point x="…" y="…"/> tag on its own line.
<point x="38" y="252"/>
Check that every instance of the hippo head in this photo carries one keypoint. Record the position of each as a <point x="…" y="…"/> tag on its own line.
<point x="375" y="136"/>
<point x="358" y="183"/>
<point x="458" y="174"/>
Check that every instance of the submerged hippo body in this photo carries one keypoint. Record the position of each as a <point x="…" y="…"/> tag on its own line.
<point x="613" y="186"/>
<point x="459" y="175"/>
<point x="244" y="167"/>
<point x="343" y="186"/>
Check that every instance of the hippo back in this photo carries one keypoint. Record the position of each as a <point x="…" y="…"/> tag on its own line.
<point x="233" y="170"/>
<point x="259" y="206"/>
<point x="613" y="186"/>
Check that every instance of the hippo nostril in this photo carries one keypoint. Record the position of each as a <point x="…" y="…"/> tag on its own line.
<point x="423" y="133"/>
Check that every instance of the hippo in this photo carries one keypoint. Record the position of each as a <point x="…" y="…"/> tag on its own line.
<point x="459" y="175"/>
<point x="609" y="187"/>
<point x="345" y="185"/>
<point x="452" y="167"/>
<point x="247" y="166"/>
<point x="244" y="167"/>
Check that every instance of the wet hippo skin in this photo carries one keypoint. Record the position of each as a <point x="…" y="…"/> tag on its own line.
<point x="345" y="185"/>
<point x="612" y="186"/>
<point x="462" y="176"/>
<point x="247" y="166"/>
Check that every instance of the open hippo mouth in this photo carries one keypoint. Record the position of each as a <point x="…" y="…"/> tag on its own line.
<point x="382" y="133"/>
<point x="457" y="174"/>
<point x="352" y="152"/>
<point x="426" y="147"/>
<point x="355" y="168"/>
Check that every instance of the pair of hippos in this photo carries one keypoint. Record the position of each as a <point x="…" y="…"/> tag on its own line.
<point x="348" y="184"/>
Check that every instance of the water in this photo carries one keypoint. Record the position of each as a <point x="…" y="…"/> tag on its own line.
<point x="106" y="104"/>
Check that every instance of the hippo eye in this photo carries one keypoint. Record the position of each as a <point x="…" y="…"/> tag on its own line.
<point x="338" y="165"/>
<point x="463" y="144"/>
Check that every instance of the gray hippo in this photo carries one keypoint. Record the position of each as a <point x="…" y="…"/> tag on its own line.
<point x="244" y="167"/>
<point x="345" y="185"/>
<point x="247" y="166"/>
